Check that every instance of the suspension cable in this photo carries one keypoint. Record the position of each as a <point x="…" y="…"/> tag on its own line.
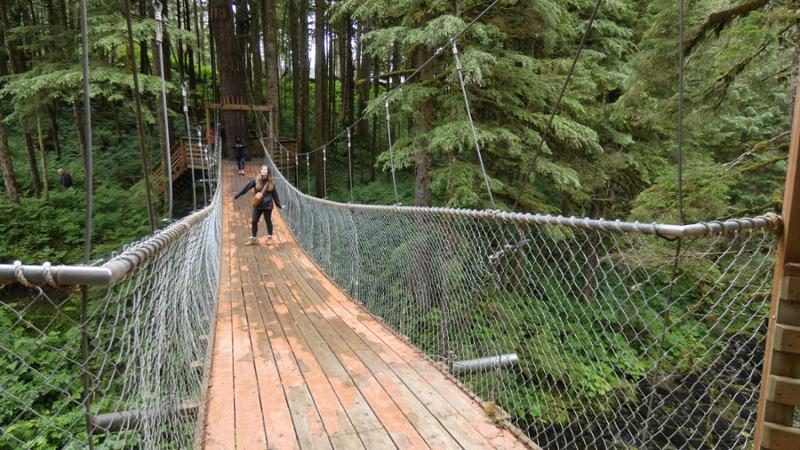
<point x="159" y="38"/>
<point x="324" y="172"/>
<point x="350" y="163"/>
<point x="472" y="123"/>
<point x="681" y="93"/>
<point x="391" y="152"/>
<point x="557" y="105"/>
<point x="204" y="156"/>
<point x="86" y="396"/>
<point x="189" y="137"/>
<point x="665" y="315"/>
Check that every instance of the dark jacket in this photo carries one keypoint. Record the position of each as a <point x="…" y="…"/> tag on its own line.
<point x="239" y="148"/>
<point x="268" y="198"/>
<point x="66" y="180"/>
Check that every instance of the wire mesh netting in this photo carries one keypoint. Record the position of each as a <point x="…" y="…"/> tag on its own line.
<point x="590" y="338"/>
<point x="141" y="375"/>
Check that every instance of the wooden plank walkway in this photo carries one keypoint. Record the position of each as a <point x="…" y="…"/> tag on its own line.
<point x="298" y="364"/>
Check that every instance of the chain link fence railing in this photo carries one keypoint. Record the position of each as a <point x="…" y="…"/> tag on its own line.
<point x="128" y="366"/>
<point x="590" y="334"/>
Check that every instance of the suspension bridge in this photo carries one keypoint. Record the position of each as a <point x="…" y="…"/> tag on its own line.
<point x="379" y="326"/>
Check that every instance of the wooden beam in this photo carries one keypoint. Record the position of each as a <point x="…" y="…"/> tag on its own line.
<point x="784" y="282"/>
<point x="780" y="437"/>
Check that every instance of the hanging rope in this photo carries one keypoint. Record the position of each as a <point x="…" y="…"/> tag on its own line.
<point x="681" y="93"/>
<point x="324" y="172"/>
<point x="472" y="124"/>
<point x="308" y="173"/>
<point x="557" y="105"/>
<point x="204" y="156"/>
<point x="160" y="19"/>
<point x="391" y="152"/>
<point x="350" y="163"/>
<point x="86" y="394"/>
<point x="189" y="137"/>
<point x="655" y="380"/>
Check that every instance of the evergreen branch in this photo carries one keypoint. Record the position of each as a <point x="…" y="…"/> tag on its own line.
<point x="718" y="20"/>
<point x="759" y="147"/>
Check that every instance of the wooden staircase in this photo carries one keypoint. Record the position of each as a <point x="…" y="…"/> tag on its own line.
<point x="184" y="157"/>
<point x="783" y="382"/>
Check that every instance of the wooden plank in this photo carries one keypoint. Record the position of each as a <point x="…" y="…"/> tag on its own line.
<point x="334" y="417"/>
<point x="787" y="338"/>
<point x="464" y="431"/>
<point x="784" y="390"/>
<point x="790" y="288"/>
<point x="469" y="408"/>
<point x="419" y="415"/>
<point x="780" y="437"/>
<point x="358" y="392"/>
<point x="250" y="432"/>
<point x="403" y="432"/>
<point x="355" y="406"/>
<point x="220" y="430"/>
<point x="307" y="422"/>
<point x="277" y="417"/>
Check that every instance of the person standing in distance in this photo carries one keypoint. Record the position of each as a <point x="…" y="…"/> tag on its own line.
<point x="263" y="200"/>
<point x="239" y="147"/>
<point x="64" y="178"/>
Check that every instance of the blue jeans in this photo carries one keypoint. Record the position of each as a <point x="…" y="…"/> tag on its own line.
<point x="240" y="162"/>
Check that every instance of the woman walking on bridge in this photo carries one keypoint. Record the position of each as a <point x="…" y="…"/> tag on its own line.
<point x="263" y="200"/>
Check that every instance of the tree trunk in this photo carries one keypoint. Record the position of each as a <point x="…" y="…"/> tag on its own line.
<point x="422" y="158"/>
<point x="52" y="113"/>
<point x="298" y="19"/>
<point x="270" y="24"/>
<point x="16" y="58"/>
<point x="140" y="126"/>
<point x="3" y="55"/>
<point x="76" y="114"/>
<point x="145" y="10"/>
<point x="255" y="53"/>
<point x="34" y="167"/>
<point x="230" y="69"/>
<point x="44" y="158"/>
<point x="167" y="48"/>
<point x="320" y="94"/>
<point x="348" y="91"/>
<point x="6" y="165"/>
<point x="375" y="124"/>
<point x="363" y="90"/>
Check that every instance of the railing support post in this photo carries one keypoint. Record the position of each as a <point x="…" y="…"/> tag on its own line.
<point x="780" y="381"/>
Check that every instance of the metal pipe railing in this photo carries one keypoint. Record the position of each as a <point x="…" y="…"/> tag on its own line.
<point x="699" y="229"/>
<point x="113" y="270"/>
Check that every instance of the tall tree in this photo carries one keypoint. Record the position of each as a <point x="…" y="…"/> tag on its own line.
<point x="7" y="166"/>
<point x="320" y="92"/>
<point x="232" y="83"/>
<point x="137" y="100"/>
<point x="270" y="24"/>
<point x="298" y="19"/>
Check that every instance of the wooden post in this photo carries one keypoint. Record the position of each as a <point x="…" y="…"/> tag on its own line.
<point x="780" y="381"/>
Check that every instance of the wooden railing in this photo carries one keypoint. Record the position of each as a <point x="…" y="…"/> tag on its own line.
<point x="184" y="157"/>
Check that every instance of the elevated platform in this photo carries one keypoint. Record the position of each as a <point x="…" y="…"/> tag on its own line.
<point x="298" y="364"/>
